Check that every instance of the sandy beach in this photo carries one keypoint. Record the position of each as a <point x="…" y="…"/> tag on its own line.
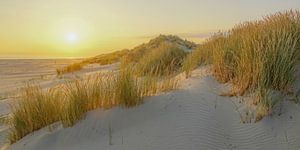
<point x="192" y="117"/>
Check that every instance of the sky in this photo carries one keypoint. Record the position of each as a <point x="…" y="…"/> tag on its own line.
<point x="83" y="28"/>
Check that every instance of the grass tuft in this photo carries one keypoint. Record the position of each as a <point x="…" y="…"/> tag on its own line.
<point x="127" y="92"/>
<point x="164" y="60"/>
<point x="37" y="109"/>
<point x="68" y="69"/>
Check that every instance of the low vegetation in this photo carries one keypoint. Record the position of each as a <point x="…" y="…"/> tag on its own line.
<point x="103" y="59"/>
<point x="35" y="110"/>
<point x="163" y="60"/>
<point x="131" y="56"/>
<point x="70" y="68"/>
<point x="69" y="103"/>
<point x="257" y="56"/>
<point x="135" y="55"/>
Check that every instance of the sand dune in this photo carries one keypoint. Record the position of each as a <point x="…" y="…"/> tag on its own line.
<point x="15" y="73"/>
<point x="193" y="117"/>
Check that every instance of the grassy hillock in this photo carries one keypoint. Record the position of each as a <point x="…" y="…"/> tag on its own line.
<point x="256" y="57"/>
<point x="136" y="53"/>
<point x="133" y="55"/>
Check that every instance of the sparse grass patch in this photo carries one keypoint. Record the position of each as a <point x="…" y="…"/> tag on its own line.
<point x="153" y="85"/>
<point x="4" y="119"/>
<point x="197" y="57"/>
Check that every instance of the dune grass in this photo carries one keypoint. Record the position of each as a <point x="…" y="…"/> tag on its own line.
<point x="69" y="102"/>
<point x="126" y="88"/>
<point x="70" y="68"/>
<point x="196" y="58"/>
<point x="35" y="110"/>
<point x="254" y="56"/>
<point x="103" y="59"/>
<point x="161" y="61"/>
<point x="135" y="54"/>
<point x="130" y="56"/>
<point x="104" y="90"/>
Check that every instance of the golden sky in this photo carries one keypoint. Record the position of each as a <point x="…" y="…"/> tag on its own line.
<point x="81" y="28"/>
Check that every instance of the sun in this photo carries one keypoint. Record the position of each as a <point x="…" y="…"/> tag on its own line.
<point x="72" y="37"/>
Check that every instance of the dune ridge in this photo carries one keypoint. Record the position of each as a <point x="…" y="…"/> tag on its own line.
<point x="193" y="117"/>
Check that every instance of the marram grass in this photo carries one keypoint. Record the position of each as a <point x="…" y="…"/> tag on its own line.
<point x="254" y="55"/>
<point x="164" y="60"/>
<point x="36" y="109"/>
<point x="69" y="102"/>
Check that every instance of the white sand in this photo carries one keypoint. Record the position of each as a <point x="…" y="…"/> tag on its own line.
<point x="193" y="117"/>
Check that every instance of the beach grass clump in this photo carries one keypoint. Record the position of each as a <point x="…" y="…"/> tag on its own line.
<point x="83" y="95"/>
<point x="70" y="68"/>
<point x="197" y="57"/>
<point x="161" y="61"/>
<point x="254" y="55"/>
<point x="76" y="102"/>
<point x="126" y="87"/>
<point x="106" y="90"/>
<point x="153" y="85"/>
<point x="135" y="54"/>
<point x="37" y="109"/>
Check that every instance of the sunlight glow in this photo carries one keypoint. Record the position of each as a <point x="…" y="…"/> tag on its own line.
<point x="72" y="37"/>
<point x="76" y="28"/>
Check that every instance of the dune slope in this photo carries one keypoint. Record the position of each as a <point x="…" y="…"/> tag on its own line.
<point x="193" y="117"/>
